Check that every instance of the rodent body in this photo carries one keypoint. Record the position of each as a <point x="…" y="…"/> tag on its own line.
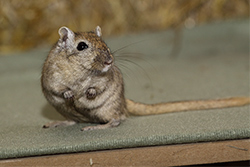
<point x="81" y="81"/>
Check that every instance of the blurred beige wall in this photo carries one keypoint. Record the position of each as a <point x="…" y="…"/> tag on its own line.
<point x="26" y="24"/>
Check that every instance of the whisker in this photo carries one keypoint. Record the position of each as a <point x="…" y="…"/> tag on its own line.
<point x="139" y="58"/>
<point x="123" y="56"/>
<point x="125" y="69"/>
<point x="119" y="64"/>
<point x="137" y="54"/>
<point x="140" y="67"/>
<point x="130" y="55"/>
<point x="128" y="45"/>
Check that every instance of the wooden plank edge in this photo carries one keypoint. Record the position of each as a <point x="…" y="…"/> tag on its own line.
<point x="169" y="155"/>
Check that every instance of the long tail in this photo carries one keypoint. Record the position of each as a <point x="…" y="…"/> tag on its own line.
<point x="135" y="108"/>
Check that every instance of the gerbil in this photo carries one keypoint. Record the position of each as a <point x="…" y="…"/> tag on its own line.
<point x="80" y="79"/>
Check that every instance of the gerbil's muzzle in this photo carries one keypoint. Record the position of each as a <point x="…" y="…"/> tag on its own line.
<point x="108" y="59"/>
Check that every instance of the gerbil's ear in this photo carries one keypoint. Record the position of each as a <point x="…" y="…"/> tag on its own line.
<point x="65" y="33"/>
<point x="67" y="39"/>
<point x="98" y="31"/>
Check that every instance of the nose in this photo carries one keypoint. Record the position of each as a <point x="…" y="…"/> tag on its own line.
<point x="108" y="60"/>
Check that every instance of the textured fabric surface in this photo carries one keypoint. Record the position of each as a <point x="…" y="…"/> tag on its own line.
<point x="213" y="63"/>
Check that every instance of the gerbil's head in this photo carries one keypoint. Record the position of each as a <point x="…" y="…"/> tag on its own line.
<point x="85" y="49"/>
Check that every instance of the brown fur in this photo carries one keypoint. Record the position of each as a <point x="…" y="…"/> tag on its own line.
<point x="86" y="86"/>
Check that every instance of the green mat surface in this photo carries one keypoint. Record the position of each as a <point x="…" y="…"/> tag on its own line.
<point x="213" y="63"/>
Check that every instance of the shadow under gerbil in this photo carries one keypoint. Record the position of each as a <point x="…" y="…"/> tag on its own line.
<point x="49" y="112"/>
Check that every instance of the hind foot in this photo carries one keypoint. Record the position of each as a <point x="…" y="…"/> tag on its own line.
<point x="58" y="123"/>
<point x="111" y="124"/>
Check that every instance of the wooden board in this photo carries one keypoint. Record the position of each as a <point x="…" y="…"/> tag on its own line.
<point x="170" y="155"/>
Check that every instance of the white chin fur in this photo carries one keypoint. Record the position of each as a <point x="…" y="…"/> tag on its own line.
<point x="106" y="68"/>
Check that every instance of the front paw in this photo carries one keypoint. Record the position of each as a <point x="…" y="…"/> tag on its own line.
<point x="91" y="93"/>
<point x="68" y="94"/>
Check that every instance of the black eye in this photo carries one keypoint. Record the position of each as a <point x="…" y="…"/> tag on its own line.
<point x="81" y="46"/>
